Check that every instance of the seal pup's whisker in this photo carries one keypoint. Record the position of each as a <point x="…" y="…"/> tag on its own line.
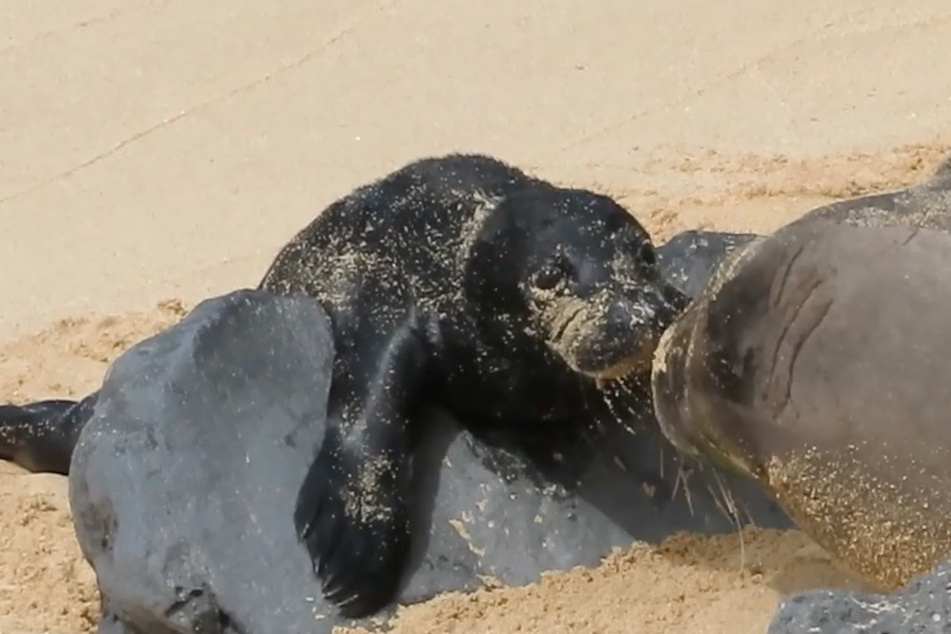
<point x="617" y="417"/>
<point x="734" y="514"/>
<point x="683" y="474"/>
<point x="619" y="393"/>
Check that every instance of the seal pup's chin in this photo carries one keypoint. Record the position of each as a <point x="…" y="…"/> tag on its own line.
<point x="602" y="374"/>
<point x="625" y="367"/>
<point x="604" y="340"/>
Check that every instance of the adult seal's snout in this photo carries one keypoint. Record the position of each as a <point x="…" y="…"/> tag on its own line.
<point x="668" y="387"/>
<point x="682" y="385"/>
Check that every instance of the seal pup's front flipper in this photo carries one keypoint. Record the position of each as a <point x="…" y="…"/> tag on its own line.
<point x="352" y="508"/>
<point x="40" y="436"/>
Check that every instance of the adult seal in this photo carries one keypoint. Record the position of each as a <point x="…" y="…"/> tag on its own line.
<point x="816" y="362"/>
<point x="926" y="204"/>
<point x="463" y="282"/>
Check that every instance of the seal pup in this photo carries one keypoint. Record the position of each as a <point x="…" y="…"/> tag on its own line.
<point x="816" y="362"/>
<point x="463" y="282"/>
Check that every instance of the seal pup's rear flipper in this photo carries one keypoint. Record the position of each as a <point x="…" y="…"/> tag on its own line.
<point x="352" y="508"/>
<point x="40" y="436"/>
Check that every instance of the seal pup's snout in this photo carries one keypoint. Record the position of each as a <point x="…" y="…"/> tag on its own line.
<point x="627" y="332"/>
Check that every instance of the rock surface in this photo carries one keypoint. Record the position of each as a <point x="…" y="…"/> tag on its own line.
<point x="689" y="258"/>
<point x="184" y="481"/>
<point x="923" y="607"/>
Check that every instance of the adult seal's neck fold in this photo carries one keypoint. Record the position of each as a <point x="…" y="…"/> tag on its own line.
<point x="679" y="375"/>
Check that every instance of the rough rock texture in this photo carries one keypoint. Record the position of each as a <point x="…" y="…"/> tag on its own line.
<point x="689" y="258"/>
<point x="184" y="481"/>
<point x="923" y="607"/>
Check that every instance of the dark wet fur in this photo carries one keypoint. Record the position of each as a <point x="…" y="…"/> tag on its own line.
<point x="434" y="315"/>
<point x="40" y="436"/>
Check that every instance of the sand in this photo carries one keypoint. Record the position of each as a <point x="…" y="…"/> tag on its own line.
<point x="153" y="153"/>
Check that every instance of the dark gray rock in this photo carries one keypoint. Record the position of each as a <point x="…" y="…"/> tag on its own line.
<point x="689" y="258"/>
<point x="184" y="480"/>
<point x="923" y="607"/>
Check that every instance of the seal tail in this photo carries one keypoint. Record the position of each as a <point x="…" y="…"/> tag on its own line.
<point x="41" y="436"/>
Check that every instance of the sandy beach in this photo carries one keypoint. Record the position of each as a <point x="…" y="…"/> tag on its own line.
<point x="154" y="153"/>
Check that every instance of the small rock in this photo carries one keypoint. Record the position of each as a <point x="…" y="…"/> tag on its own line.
<point x="922" y="607"/>
<point x="689" y="258"/>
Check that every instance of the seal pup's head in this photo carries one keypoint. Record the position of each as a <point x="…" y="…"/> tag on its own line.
<point x="577" y="271"/>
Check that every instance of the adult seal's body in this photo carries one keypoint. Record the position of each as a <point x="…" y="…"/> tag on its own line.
<point x="817" y="361"/>
<point x="463" y="282"/>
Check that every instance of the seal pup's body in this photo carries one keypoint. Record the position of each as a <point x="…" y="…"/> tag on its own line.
<point x="459" y="281"/>
<point x="464" y="282"/>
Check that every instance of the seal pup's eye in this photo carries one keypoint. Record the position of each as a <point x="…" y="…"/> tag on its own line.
<point x="647" y="255"/>
<point x="548" y="277"/>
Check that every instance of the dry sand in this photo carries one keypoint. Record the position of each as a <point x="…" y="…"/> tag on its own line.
<point x="155" y="152"/>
